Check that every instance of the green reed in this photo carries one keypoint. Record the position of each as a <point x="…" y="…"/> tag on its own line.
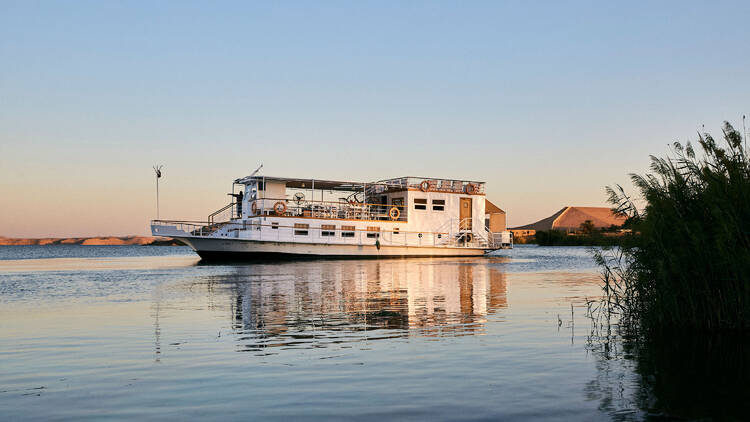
<point x="689" y="265"/>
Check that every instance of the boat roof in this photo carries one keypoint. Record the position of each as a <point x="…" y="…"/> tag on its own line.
<point x="301" y="183"/>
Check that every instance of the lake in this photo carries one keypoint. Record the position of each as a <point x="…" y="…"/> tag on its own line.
<point x="126" y="332"/>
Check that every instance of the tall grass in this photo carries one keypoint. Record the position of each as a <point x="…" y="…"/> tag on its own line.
<point x="690" y="266"/>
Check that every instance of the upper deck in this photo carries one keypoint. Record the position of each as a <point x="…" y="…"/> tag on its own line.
<point x="384" y="200"/>
<point x="386" y="185"/>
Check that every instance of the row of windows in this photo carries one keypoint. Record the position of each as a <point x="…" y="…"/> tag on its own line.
<point x="437" y="204"/>
<point x="329" y="230"/>
<point x="420" y="203"/>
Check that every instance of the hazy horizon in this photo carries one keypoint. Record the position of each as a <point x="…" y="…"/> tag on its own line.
<point x="547" y="103"/>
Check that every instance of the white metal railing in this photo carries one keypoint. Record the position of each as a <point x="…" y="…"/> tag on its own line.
<point x="431" y="184"/>
<point x="328" y="209"/>
<point x="339" y="234"/>
<point x="467" y="232"/>
<point x="226" y="213"/>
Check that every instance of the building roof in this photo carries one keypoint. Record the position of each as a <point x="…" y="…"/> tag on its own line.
<point x="570" y="218"/>
<point x="490" y="208"/>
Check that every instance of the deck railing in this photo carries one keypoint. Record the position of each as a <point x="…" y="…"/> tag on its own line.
<point x="225" y="213"/>
<point x="328" y="210"/>
<point x="429" y="184"/>
<point x="448" y="235"/>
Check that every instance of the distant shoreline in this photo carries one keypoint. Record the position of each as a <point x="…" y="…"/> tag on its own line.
<point x="90" y="241"/>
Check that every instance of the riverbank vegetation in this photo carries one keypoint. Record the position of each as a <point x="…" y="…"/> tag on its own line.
<point x="689" y="267"/>
<point x="587" y="235"/>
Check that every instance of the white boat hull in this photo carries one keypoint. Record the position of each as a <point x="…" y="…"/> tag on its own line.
<point x="217" y="248"/>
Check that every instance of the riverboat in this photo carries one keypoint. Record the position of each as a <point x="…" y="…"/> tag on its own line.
<point x="406" y="216"/>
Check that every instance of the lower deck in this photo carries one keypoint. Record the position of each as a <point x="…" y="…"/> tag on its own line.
<point x="330" y="235"/>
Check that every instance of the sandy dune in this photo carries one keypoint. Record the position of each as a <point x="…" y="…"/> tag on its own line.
<point x="103" y="240"/>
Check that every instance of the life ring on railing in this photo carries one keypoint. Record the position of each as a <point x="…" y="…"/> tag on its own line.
<point x="425" y="186"/>
<point x="472" y="188"/>
<point x="394" y="213"/>
<point x="254" y="207"/>
<point x="279" y="208"/>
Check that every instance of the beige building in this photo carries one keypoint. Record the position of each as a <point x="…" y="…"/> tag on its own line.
<point x="494" y="217"/>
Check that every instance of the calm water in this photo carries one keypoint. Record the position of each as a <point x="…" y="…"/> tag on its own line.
<point x="150" y="333"/>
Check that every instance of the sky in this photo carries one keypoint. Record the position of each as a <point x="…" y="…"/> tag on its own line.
<point x="548" y="102"/>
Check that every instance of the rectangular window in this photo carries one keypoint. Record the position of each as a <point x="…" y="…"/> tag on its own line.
<point x="395" y="230"/>
<point x="438" y="204"/>
<point x="420" y="203"/>
<point x="300" y="229"/>
<point x="275" y="225"/>
<point x="397" y="202"/>
<point x="347" y="231"/>
<point x="327" y="230"/>
<point x="373" y="232"/>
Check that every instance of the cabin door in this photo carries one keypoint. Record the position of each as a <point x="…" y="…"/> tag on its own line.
<point x="465" y="214"/>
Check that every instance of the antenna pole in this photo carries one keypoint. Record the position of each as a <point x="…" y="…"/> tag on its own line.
<point x="256" y="170"/>
<point x="157" y="170"/>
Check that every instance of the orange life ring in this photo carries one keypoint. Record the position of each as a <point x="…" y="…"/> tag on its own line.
<point x="471" y="189"/>
<point x="394" y="213"/>
<point x="425" y="186"/>
<point x="279" y="208"/>
<point x="254" y="207"/>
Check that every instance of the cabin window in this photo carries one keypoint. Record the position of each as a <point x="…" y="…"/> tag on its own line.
<point x="301" y="229"/>
<point x="395" y="230"/>
<point x="327" y="230"/>
<point x="420" y="203"/>
<point x="347" y="231"/>
<point x="373" y="232"/>
<point x="397" y="202"/>
<point x="438" y="204"/>
<point x="275" y="225"/>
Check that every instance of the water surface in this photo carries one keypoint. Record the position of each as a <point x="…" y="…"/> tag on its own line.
<point x="151" y="333"/>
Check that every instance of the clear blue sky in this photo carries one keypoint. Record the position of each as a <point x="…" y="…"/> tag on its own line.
<point x="546" y="101"/>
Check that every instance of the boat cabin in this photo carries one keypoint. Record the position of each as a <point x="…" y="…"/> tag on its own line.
<point x="416" y="203"/>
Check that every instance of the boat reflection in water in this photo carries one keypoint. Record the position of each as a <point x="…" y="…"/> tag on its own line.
<point x="321" y="303"/>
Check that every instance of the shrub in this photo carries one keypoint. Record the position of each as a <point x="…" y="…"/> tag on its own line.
<point x="689" y="267"/>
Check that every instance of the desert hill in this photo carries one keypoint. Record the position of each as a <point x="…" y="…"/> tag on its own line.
<point x="91" y="241"/>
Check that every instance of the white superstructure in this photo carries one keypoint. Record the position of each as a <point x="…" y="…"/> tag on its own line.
<point x="407" y="216"/>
